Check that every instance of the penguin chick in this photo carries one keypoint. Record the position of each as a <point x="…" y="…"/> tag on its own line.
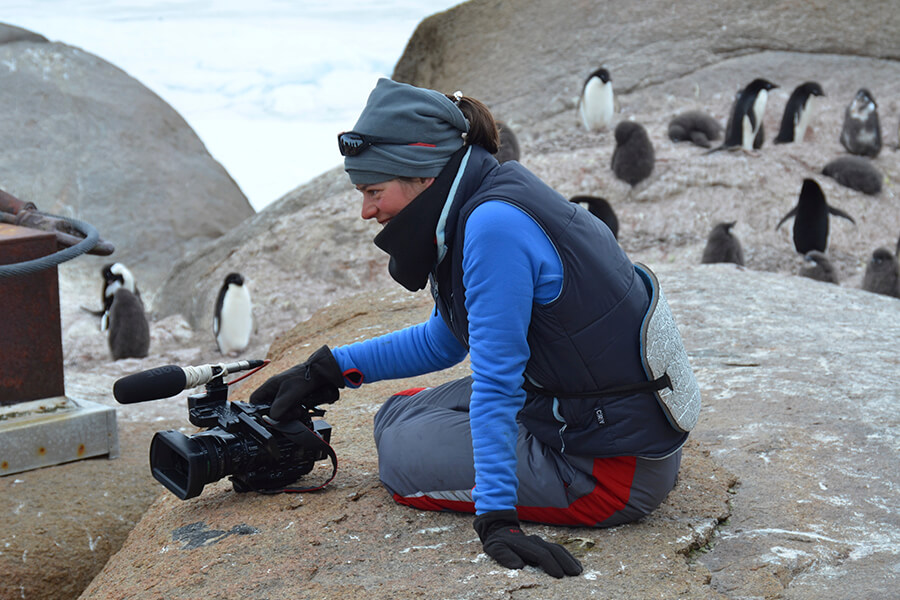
<point x="633" y="157"/>
<point x="600" y="208"/>
<point x="797" y="113"/>
<point x="509" y="144"/>
<point x="722" y="246"/>
<point x="811" y="218"/>
<point x="882" y="274"/>
<point x="856" y="173"/>
<point x="596" y="104"/>
<point x="129" y="332"/>
<point x="233" y="316"/>
<point x="861" y="133"/>
<point x="745" y="124"/>
<point x="819" y="267"/>
<point x="695" y="126"/>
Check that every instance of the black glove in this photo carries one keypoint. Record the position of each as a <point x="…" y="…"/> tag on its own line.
<point x="504" y="541"/>
<point x="299" y="388"/>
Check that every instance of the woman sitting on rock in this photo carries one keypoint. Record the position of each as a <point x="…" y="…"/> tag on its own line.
<point x="548" y="308"/>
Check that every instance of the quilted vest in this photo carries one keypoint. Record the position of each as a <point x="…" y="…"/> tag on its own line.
<point x="586" y="340"/>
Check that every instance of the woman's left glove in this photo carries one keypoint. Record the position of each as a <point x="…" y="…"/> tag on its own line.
<point x="503" y="540"/>
<point x="309" y="384"/>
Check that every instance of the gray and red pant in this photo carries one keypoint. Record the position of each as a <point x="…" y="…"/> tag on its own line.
<point x="425" y="461"/>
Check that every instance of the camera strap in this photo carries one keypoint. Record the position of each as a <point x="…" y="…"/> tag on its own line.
<point x="304" y="437"/>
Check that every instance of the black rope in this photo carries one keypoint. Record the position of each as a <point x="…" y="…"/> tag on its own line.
<point x="29" y="267"/>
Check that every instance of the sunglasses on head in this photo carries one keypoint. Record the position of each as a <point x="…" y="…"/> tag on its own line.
<point x="351" y="143"/>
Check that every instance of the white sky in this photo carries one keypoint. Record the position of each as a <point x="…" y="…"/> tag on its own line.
<point x="267" y="84"/>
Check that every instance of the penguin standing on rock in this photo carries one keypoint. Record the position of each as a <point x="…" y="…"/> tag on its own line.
<point x="233" y="318"/>
<point x="597" y="102"/>
<point x="819" y="267"/>
<point x="861" y="133"/>
<point x="129" y="331"/>
<point x="745" y="125"/>
<point x="633" y="157"/>
<point x="115" y="275"/>
<point x="811" y="218"/>
<point x="722" y="246"/>
<point x="600" y="208"/>
<point x="797" y="113"/>
<point x="882" y="274"/>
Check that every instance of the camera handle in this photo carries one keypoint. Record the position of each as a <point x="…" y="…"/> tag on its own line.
<point x="304" y="437"/>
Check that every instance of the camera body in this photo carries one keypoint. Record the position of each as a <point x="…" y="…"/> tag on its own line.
<point x="242" y="442"/>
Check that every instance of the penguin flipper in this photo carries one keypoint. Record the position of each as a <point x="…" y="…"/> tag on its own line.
<point x="791" y="213"/>
<point x="96" y="313"/>
<point x="839" y="213"/>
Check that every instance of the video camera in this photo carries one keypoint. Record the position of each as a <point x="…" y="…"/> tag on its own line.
<point x="258" y="453"/>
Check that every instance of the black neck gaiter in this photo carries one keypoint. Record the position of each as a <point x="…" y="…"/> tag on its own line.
<point x="409" y="238"/>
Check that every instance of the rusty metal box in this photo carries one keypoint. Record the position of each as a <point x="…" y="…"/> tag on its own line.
<point x="31" y="358"/>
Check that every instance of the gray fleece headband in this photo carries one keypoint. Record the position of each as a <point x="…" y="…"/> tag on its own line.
<point x="429" y="121"/>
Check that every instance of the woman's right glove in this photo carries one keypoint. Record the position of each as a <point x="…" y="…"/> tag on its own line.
<point x="294" y="391"/>
<point x="503" y="540"/>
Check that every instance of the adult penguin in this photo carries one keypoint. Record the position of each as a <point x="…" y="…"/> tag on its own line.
<point x="745" y="125"/>
<point x="233" y="318"/>
<point x="115" y="275"/>
<point x="811" y="218"/>
<point x="797" y="112"/>
<point x="861" y="133"/>
<point x="596" y="104"/>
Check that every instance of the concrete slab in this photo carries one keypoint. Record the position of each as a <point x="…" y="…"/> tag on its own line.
<point x="52" y="431"/>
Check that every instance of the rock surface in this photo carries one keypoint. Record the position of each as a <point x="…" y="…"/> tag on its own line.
<point x="795" y="373"/>
<point x="83" y="139"/>
<point x="786" y="489"/>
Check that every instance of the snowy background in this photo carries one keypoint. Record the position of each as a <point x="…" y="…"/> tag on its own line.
<point x="267" y="85"/>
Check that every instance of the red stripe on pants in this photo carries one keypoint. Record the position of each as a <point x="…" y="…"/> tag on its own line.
<point x="616" y="475"/>
<point x="410" y="392"/>
<point x="426" y="503"/>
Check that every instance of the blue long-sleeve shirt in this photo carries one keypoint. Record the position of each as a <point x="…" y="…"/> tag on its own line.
<point x="509" y="264"/>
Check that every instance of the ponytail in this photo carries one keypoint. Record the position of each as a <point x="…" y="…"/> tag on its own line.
<point x="482" y="127"/>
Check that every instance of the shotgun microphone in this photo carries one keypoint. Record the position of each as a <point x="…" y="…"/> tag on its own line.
<point x="171" y="380"/>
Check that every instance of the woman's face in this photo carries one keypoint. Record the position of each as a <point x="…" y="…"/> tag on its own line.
<point x="383" y="201"/>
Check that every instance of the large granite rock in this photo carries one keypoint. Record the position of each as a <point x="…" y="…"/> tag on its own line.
<point x="785" y="492"/>
<point x="311" y="247"/>
<point x="83" y="139"/>
<point x="528" y="59"/>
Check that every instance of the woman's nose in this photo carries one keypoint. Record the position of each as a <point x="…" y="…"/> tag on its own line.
<point x="369" y="210"/>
